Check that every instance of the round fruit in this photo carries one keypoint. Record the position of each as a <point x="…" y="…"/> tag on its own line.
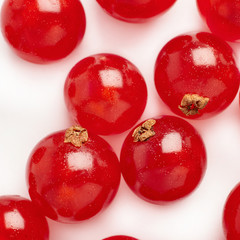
<point x="196" y="75"/>
<point x="231" y="215"/>
<point x="120" y="238"/>
<point x="135" y="10"/>
<point x="163" y="159"/>
<point x="203" y="6"/>
<point x="105" y="93"/>
<point x="222" y="17"/>
<point x="41" y="31"/>
<point x="72" y="175"/>
<point x="21" y="220"/>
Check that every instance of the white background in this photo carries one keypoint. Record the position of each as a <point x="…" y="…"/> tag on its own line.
<point x="32" y="106"/>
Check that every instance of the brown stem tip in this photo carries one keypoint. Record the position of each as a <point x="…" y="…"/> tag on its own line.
<point x="191" y="103"/>
<point x="144" y="132"/>
<point x="76" y="135"/>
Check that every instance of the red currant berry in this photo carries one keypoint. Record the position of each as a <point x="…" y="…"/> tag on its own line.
<point x="40" y="30"/>
<point x="72" y="175"/>
<point x="21" y="220"/>
<point x="135" y="11"/>
<point x="120" y="238"/>
<point x="231" y="215"/>
<point x="196" y="75"/>
<point x="106" y="93"/>
<point x="203" y="6"/>
<point x="163" y="159"/>
<point x="222" y="17"/>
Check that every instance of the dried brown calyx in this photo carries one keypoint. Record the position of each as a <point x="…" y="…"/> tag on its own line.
<point x="144" y="132"/>
<point x="191" y="103"/>
<point x="76" y="135"/>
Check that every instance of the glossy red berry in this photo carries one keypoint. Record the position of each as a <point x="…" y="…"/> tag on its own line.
<point x="105" y="93"/>
<point x="231" y="215"/>
<point x="120" y="237"/>
<point x="203" y="6"/>
<point x="222" y="17"/>
<point x="20" y="219"/>
<point x="163" y="159"/>
<point x="196" y="75"/>
<point x="72" y="175"/>
<point x="40" y="31"/>
<point x="135" y="11"/>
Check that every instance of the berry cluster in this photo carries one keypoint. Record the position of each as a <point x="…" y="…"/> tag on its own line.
<point x="74" y="174"/>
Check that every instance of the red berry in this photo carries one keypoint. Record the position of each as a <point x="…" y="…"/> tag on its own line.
<point x="105" y="93"/>
<point x="222" y="17"/>
<point x="203" y="6"/>
<point x="196" y="75"/>
<point x="21" y="220"/>
<point x="135" y="11"/>
<point x="231" y="215"/>
<point x="120" y="238"/>
<point x="163" y="159"/>
<point x="40" y="30"/>
<point x="72" y="176"/>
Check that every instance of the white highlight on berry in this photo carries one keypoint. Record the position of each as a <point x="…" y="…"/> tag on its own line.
<point x="49" y="6"/>
<point x="204" y="57"/>
<point x="172" y="142"/>
<point x="111" y="78"/>
<point x="14" y="220"/>
<point x="80" y="161"/>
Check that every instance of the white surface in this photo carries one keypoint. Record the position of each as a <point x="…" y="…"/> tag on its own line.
<point x="32" y="106"/>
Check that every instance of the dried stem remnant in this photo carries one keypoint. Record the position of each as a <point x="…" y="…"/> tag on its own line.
<point x="144" y="132"/>
<point x="76" y="135"/>
<point x="191" y="103"/>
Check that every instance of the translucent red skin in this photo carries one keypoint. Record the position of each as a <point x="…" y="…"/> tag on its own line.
<point x="71" y="184"/>
<point x="212" y="74"/>
<point x="135" y="10"/>
<point x="43" y="32"/>
<point x="105" y="93"/>
<point x="21" y="220"/>
<point x="222" y="17"/>
<point x="120" y="238"/>
<point x="231" y="215"/>
<point x="158" y="170"/>
<point x="202" y="7"/>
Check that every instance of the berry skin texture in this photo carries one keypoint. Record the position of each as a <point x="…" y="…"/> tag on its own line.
<point x="231" y="215"/>
<point x="196" y="75"/>
<point x="167" y="164"/>
<point x="222" y="17"/>
<point x="40" y="31"/>
<point x="71" y="183"/>
<point x="135" y="10"/>
<point x="105" y="93"/>
<point x="120" y="238"/>
<point x="21" y="220"/>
